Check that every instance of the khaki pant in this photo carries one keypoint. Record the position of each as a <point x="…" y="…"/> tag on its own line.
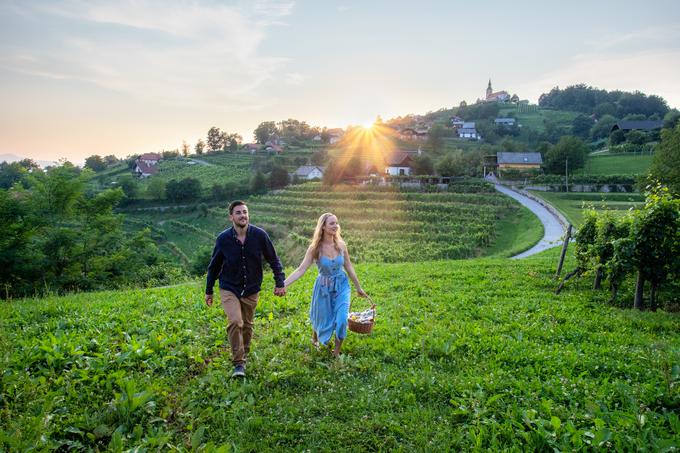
<point x="240" y="313"/>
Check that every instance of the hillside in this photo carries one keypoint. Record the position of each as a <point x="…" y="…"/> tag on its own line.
<point x="381" y="224"/>
<point x="475" y="354"/>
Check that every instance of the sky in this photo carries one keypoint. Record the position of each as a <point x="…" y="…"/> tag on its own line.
<point x="84" y="77"/>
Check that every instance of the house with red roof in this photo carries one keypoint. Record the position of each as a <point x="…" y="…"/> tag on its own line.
<point x="147" y="164"/>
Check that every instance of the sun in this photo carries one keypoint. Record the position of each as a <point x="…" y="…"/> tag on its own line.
<point x="367" y="125"/>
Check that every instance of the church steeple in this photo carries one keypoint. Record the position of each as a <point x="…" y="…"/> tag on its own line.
<point x="489" y="90"/>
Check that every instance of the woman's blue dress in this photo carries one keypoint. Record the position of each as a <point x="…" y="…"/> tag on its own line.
<point x="330" y="299"/>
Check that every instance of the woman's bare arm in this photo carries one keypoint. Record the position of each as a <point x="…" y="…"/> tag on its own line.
<point x="302" y="268"/>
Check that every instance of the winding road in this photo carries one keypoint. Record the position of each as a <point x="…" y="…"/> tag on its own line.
<point x="553" y="225"/>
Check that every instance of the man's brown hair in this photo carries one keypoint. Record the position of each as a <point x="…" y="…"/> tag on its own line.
<point x="235" y="203"/>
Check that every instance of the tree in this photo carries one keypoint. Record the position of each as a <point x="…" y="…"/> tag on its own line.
<point x="319" y="157"/>
<point x="604" y="108"/>
<point x="187" y="189"/>
<point x="636" y="137"/>
<point x="199" y="264"/>
<point x="581" y="126"/>
<point x="57" y="237"/>
<point x="436" y="137"/>
<point x="185" y="148"/>
<point x="258" y="183"/>
<point x="422" y="165"/>
<point x="569" y="147"/>
<point x="11" y="173"/>
<point x="231" y="142"/>
<point x="603" y="127"/>
<point x="671" y="119"/>
<point x="665" y="167"/>
<point x="96" y="163"/>
<point x="451" y="164"/>
<point x="264" y="131"/>
<point x="215" y="139"/>
<point x="170" y="154"/>
<point x="278" y="178"/>
<point x="200" y="146"/>
<point x="129" y="185"/>
<point x="156" y="189"/>
<point x="617" y="137"/>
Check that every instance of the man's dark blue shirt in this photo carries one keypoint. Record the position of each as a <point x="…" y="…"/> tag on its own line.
<point x="239" y="266"/>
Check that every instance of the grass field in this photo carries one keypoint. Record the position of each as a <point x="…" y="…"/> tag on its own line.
<point x="379" y="224"/>
<point x="465" y="355"/>
<point x="516" y="234"/>
<point x="572" y="204"/>
<point x="615" y="164"/>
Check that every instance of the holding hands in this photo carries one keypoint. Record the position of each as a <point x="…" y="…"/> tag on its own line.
<point x="280" y="292"/>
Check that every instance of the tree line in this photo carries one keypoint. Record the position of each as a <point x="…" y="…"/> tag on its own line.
<point x="586" y="99"/>
<point x="56" y="237"/>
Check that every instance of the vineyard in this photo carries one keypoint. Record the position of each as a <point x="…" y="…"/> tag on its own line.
<point x="465" y="355"/>
<point x="380" y="224"/>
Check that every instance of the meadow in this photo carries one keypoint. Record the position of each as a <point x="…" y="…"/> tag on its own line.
<point x="465" y="355"/>
<point x="615" y="164"/>
<point x="572" y="204"/>
<point x="380" y="224"/>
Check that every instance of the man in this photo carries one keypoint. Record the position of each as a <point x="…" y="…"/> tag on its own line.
<point x="237" y="261"/>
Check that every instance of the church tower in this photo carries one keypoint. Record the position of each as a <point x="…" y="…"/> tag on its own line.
<point x="489" y="90"/>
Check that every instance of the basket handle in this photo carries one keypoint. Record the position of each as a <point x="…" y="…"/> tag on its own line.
<point x="372" y="305"/>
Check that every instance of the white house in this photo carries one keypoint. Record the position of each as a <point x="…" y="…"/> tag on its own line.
<point x="309" y="172"/>
<point x="398" y="164"/>
<point x="468" y="130"/>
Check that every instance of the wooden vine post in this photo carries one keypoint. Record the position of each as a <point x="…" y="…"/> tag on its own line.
<point x="567" y="236"/>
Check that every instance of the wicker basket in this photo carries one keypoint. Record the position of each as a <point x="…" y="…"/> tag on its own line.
<point x="362" y="327"/>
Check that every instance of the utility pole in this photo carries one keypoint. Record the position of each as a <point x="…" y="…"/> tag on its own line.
<point x="566" y="177"/>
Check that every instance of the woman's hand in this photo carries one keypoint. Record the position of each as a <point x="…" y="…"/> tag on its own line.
<point x="361" y="292"/>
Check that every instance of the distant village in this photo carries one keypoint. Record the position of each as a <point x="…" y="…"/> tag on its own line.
<point x="415" y="131"/>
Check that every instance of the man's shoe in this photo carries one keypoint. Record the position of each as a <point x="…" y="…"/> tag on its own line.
<point x="239" y="371"/>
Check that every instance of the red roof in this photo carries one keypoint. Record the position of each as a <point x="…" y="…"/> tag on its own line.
<point x="398" y="159"/>
<point x="150" y="156"/>
<point x="146" y="169"/>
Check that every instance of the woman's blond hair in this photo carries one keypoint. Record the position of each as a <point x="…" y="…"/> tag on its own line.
<point x="317" y="238"/>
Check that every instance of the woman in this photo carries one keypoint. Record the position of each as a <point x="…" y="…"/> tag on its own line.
<point x="331" y="294"/>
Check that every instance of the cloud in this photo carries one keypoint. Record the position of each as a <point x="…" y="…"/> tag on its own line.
<point x="174" y="52"/>
<point x="294" y="78"/>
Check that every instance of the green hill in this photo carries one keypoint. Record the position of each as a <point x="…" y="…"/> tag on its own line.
<point x="381" y="224"/>
<point x="465" y="355"/>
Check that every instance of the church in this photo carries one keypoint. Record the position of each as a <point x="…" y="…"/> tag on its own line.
<point x="498" y="96"/>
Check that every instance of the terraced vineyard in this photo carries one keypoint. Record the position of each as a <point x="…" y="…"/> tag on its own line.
<point x="380" y="224"/>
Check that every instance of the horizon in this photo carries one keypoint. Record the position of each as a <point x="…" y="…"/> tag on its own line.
<point x="82" y="78"/>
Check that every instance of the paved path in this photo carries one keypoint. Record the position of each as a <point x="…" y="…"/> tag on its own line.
<point x="553" y="226"/>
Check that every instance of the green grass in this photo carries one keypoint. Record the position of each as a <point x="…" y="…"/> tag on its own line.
<point x="615" y="164"/>
<point x="465" y="355"/>
<point x="572" y="204"/>
<point x="516" y="234"/>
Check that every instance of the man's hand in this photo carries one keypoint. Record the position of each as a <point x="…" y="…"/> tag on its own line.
<point x="209" y="300"/>
<point x="280" y="292"/>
